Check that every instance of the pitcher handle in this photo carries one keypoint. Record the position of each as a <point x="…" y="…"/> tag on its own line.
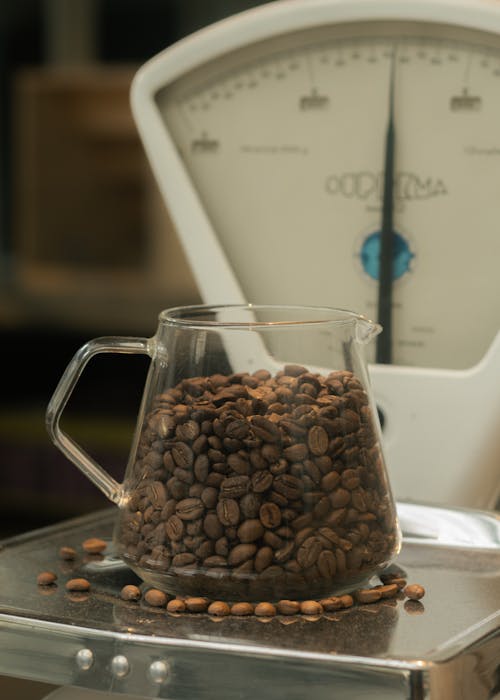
<point x="99" y="476"/>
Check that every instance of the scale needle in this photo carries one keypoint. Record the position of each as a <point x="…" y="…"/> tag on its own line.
<point x="384" y="341"/>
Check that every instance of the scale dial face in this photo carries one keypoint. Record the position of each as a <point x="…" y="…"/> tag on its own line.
<point x="284" y="143"/>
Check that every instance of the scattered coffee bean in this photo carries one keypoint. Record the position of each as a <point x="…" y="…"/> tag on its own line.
<point x="347" y="600"/>
<point x="368" y="595"/>
<point x="331" y="604"/>
<point x="67" y="553"/>
<point x="46" y="578"/>
<point x="265" y="610"/>
<point x="241" y="609"/>
<point x="219" y="609"/>
<point x="176" y="606"/>
<point x="311" y="607"/>
<point x="94" y="545"/>
<point x="288" y="607"/>
<point x="78" y="584"/>
<point x="414" y="591"/>
<point x="130" y="593"/>
<point x="196" y="604"/>
<point x="155" y="598"/>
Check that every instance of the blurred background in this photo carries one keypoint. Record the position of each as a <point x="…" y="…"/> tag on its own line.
<point x="86" y="245"/>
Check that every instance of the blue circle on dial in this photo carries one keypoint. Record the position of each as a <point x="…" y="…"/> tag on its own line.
<point x="370" y="255"/>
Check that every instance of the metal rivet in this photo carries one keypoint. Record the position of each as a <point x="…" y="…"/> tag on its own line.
<point x="84" y="659"/>
<point x="120" y="666"/>
<point x="159" y="671"/>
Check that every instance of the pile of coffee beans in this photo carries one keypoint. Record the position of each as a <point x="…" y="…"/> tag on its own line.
<point x="253" y="486"/>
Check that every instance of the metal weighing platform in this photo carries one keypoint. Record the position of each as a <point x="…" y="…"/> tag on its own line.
<point x="446" y="646"/>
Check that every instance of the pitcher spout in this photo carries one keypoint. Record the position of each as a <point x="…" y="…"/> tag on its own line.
<point x="366" y="330"/>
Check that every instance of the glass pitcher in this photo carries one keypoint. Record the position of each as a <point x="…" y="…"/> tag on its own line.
<point x="256" y="470"/>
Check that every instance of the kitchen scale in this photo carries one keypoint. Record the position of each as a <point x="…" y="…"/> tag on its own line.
<point x="273" y="135"/>
<point x="347" y="153"/>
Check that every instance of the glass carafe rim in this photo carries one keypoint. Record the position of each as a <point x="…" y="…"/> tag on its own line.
<point x="185" y="316"/>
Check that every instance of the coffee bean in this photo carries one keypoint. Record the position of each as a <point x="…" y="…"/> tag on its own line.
<point x="187" y="431"/>
<point x="215" y="561"/>
<point x="288" y="607"/>
<point x="196" y="604"/>
<point x="209" y="496"/>
<point x="292" y="370"/>
<point x="327" y="564"/>
<point x="264" y="429"/>
<point x="309" y="552"/>
<point x="331" y="604"/>
<point x="174" y="528"/>
<point x="212" y="526"/>
<point x="263" y="559"/>
<point x="218" y="609"/>
<point x="182" y="455"/>
<point x="311" y="607"/>
<point x="78" y="584"/>
<point x="238" y="463"/>
<point x="183" y="559"/>
<point x="228" y="511"/>
<point x="414" y="591"/>
<point x="201" y="467"/>
<point x="368" y="595"/>
<point x="176" y="606"/>
<point x="67" y="553"/>
<point x="241" y="553"/>
<point x="250" y="530"/>
<point x="46" y="578"/>
<point x="288" y="486"/>
<point x="296" y="453"/>
<point x="94" y="545"/>
<point x="190" y="508"/>
<point x="155" y="598"/>
<point x="261" y="481"/>
<point x="235" y="486"/>
<point x="265" y="610"/>
<point x="130" y="592"/>
<point x="241" y="609"/>
<point x="347" y="600"/>
<point x="270" y="515"/>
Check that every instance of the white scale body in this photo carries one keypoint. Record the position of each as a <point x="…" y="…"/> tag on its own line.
<point x="266" y="135"/>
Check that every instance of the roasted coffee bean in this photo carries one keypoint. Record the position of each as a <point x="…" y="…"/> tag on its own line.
<point x="308" y="552"/>
<point x="340" y="498"/>
<point x="311" y="607"/>
<point x="327" y="564"/>
<point x="367" y="595"/>
<point x="242" y="609"/>
<point x="235" y="486"/>
<point x="250" y="531"/>
<point x="288" y="607"/>
<point x="190" y="509"/>
<point x="183" y="559"/>
<point x="218" y="609"/>
<point x="261" y="481"/>
<point x="46" y="578"/>
<point x="78" y="584"/>
<point x="201" y="467"/>
<point x="263" y="559"/>
<point x="296" y="453"/>
<point x="288" y="486"/>
<point x="187" y="431"/>
<point x="182" y="455"/>
<point x="284" y="553"/>
<point x="414" y="591"/>
<point x="213" y="526"/>
<point x="270" y="515"/>
<point x="330" y="481"/>
<point x="291" y="370"/>
<point x="67" y="553"/>
<point x="265" y="610"/>
<point x="209" y="497"/>
<point x="228" y="511"/>
<point x="155" y="598"/>
<point x="271" y="539"/>
<point x="94" y="545"/>
<point x="130" y="592"/>
<point x="174" y="528"/>
<point x="222" y="546"/>
<point x="196" y="605"/>
<point x="241" y="553"/>
<point x="331" y="604"/>
<point x="176" y="606"/>
<point x="264" y="429"/>
<point x="215" y="561"/>
<point x="239" y="463"/>
<point x="249" y="505"/>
